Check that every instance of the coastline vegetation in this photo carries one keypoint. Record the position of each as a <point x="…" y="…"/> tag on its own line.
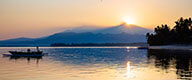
<point x="181" y="33"/>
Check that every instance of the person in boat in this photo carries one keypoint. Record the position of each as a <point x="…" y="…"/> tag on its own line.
<point x="37" y="49"/>
<point x="28" y="50"/>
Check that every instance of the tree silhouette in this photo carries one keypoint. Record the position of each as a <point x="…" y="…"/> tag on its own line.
<point x="181" y="33"/>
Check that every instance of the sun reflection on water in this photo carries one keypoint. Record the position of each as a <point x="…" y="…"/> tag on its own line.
<point x="128" y="49"/>
<point x="128" y="67"/>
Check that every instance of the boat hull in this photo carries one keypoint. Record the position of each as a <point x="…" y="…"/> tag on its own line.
<point x="25" y="54"/>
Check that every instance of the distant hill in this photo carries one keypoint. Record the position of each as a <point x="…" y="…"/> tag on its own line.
<point x="118" y="34"/>
<point x="122" y="28"/>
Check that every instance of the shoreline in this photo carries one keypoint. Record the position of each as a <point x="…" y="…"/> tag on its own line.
<point x="172" y="47"/>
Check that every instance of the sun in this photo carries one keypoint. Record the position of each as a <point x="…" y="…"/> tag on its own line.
<point x="129" y="20"/>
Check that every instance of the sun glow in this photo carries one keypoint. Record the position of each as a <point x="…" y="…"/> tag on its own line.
<point x="129" y="20"/>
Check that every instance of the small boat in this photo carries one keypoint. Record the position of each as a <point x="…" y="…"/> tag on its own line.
<point x="143" y="47"/>
<point x="19" y="53"/>
<point x="29" y="53"/>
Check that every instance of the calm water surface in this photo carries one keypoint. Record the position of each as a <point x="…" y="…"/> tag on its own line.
<point x="97" y="63"/>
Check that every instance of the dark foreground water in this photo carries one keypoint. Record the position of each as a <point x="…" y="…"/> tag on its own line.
<point x="93" y="63"/>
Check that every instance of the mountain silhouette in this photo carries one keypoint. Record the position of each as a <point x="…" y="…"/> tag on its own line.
<point x="122" y="33"/>
<point x="124" y="28"/>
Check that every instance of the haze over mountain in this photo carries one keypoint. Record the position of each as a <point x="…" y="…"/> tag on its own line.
<point x="122" y="33"/>
<point x="122" y="28"/>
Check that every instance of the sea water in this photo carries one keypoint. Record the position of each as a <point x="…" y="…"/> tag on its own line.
<point x="97" y="63"/>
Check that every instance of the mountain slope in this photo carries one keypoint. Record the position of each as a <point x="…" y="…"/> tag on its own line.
<point x="118" y="34"/>
<point x="122" y="28"/>
<point x="82" y="29"/>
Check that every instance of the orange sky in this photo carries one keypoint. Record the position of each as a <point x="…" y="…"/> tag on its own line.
<point x="36" y="18"/>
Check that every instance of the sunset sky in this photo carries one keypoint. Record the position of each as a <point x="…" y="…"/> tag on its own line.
<point x="36" y="18"/>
